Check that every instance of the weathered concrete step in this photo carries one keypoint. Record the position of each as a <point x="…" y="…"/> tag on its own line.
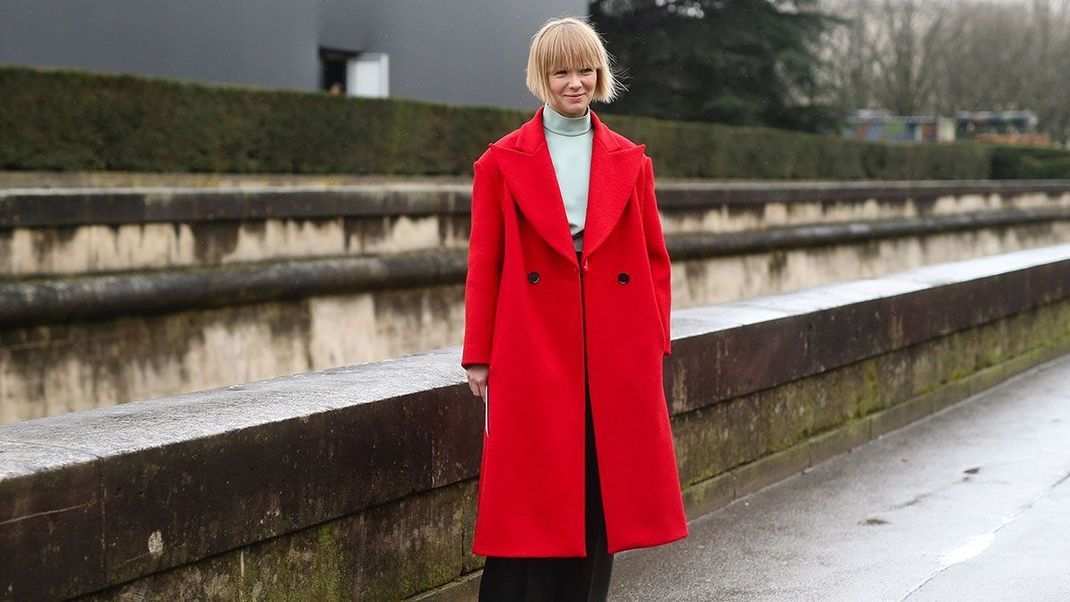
<point x="26" y="302"/>
<point x="148" y="333"/>
<point x="75" y="231"/>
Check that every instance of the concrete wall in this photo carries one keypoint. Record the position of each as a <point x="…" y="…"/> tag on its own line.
<point x="50" y="232"/>
<point x="464" y="51"/>
<point x="360" y="482"/>
<point x="112" y="297"/>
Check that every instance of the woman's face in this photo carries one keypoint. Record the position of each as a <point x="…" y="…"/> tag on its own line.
<point x="572" y="90"/>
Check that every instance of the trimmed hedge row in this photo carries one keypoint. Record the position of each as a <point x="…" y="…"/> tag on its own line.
<point x="1010" y="163"/>
<point x="68" y="120"/>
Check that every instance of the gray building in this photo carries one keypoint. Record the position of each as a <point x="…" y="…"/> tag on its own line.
<point x="460" y="51"/>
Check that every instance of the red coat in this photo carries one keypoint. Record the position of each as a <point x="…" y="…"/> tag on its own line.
<point x="528" y="318"/>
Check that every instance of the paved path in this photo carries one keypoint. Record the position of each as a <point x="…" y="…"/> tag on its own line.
<point x="971" y="503"/>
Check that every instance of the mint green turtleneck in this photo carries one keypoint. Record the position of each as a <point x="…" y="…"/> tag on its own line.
<point x="570" y="140"/>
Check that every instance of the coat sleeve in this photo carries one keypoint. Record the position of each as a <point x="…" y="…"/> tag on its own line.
<point x="660" y="265"/>
<point x="485" y="249"/>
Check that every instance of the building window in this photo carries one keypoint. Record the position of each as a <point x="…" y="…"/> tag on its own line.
<point x="355" y="73"/>
<point x="334" y="70"/>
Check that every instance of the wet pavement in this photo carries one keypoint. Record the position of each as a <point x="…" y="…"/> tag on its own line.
<point x="971" y="503"/>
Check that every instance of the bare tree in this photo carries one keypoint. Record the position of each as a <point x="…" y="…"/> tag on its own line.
<point x="906" y="51"/>
<point x="942" y="56"/>
<point x="847" y="66"/>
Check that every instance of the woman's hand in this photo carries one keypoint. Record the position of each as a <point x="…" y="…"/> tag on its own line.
<point x="477" y="379"/>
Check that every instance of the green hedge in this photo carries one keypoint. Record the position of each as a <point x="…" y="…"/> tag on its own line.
<point x="1029" y="163"/>
<point x="68" y="120"/>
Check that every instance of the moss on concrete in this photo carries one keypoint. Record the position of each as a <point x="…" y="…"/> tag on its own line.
<point x="936" y="371"/>
<point x="387" y="552"/>
<point x="891" y="389"/>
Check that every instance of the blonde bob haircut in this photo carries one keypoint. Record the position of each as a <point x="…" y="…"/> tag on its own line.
<point x="569" y="43"/>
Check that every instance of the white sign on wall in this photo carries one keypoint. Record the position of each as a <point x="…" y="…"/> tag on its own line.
<point x="369" y="75"/>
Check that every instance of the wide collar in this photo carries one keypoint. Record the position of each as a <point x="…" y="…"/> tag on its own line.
<point x="529" y="174"/>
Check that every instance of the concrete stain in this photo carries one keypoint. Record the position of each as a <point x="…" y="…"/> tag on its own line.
<point x="362" y="233"/>
<point x="213" y="241"/>
<point x="874" y="521"/>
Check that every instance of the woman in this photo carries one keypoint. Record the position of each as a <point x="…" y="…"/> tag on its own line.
<point x="567" y="305"/>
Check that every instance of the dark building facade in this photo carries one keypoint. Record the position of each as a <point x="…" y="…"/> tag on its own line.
<point x="460" y="51"/>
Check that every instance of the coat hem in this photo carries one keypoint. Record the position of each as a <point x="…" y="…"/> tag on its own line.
<point x="558" y="553"/>
<point x="528" y="553"/>
<point x="648" y="544"/>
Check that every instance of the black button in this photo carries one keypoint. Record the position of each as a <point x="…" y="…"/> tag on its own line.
<point x="533" y="277"/>
<point x="622" y="277"/>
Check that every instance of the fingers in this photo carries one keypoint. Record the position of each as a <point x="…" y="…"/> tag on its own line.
<point x="477" y="380"/>
<point x="478" y="386"/>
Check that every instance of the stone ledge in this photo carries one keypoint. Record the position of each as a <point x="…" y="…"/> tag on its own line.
<point x="712" y="494"/>
<point x="42" y="207"/>
<point x="55" y="299"/>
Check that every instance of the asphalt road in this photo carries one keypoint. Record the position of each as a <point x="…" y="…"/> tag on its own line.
<point x="971" y="503"/>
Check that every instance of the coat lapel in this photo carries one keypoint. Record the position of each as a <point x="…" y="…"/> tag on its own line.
<point x="529" y="173"/>
<point x="614" y="170"/>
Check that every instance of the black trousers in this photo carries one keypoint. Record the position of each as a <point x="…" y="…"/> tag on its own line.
<point x="558" y="579"/>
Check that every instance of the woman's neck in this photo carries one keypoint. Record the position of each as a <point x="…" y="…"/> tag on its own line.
<point x="566" y="126"/>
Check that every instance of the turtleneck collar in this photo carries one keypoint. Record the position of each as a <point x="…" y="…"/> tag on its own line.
<point x="566" y="126"/>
